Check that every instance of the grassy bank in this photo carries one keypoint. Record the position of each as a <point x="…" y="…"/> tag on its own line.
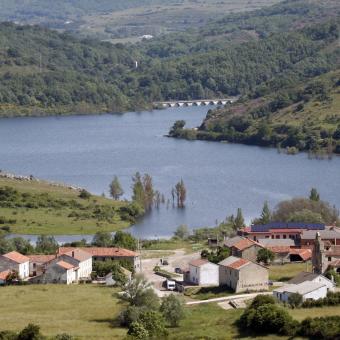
<point x="36" y="207"/>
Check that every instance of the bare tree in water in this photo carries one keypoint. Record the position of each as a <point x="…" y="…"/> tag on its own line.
<point x="181" y="194"/>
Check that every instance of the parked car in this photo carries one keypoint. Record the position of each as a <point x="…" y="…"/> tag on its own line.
<point x="164" y="262"/>
<point x="170" y="285"/>
<point x="178" y="270"/>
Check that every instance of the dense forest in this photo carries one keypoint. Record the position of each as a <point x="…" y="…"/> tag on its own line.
<point x="295" y="110"/>
<point x="44" y="72"/>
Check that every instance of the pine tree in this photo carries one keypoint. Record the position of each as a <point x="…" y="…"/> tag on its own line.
<point x="239" y="220"/>
<point x="314" y="195"/>
<point x="266" y="214"/>
<point x="116" y="190"/>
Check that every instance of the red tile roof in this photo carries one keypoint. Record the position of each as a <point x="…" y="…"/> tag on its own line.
<point x="245" y="243"/>
<point x="79" y="254"/>
<point x="41" y="258"/>
<point x="4" y="274"/>
<point x="279" y="249"/>
<point x="65" y="265"/>
<point x="237" y="264"/>
<point x="16" y="257"/>
<point x="198" y="262"/>
<point x="101" y="251"/>
<point x="305" y="254"/>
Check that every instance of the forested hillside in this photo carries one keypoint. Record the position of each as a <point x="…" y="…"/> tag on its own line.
<point x="45" y="72"/>
<point x="116" y="19"/>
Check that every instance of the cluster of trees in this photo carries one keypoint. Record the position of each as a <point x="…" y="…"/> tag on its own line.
<point x="32" y="332"/>
<point x="44" y="245"/>
<point x="300" y="209"/>
<point x="145" y="195"/>
<point x="146" y="316"/>
<point x="101" y="269"/>
<point x="120" y="239"/>
<point x="265" y="316"/>
<point x="217" y="255"/>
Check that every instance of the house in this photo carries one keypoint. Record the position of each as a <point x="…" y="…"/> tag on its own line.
<point x="330" y="235"/>
<point x="243" y="275"/>
<point x="246" y="249"/>
<point x="307" y="289"/>
<point x="3" y="276"/>
<point x="285" y="250"/>
<point x="108" y="254"/>
<point x="280" y="230"/>
<point x="203" y="273"/>
<point x="325" y="256"/>
<point x="59" y="271"/>
<point x="231" y="241"/>
<point x="38" y="263"/>
<point x="80" y="259"/>
<point x="15" y="261"/>
<point x="312" y="277"/>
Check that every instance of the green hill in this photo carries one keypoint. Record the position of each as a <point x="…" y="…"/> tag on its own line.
<point x="38" y="207"/>
<point x="44" y="72"/>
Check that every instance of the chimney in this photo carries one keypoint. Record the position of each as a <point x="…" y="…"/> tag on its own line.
<point x="72" y="253"/>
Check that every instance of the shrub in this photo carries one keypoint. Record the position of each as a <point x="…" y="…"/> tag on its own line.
<point x="172" y="310"/>
<point x="321" y="328"/>
<point x="295" y="300"/>
<point x="84" y="194"/>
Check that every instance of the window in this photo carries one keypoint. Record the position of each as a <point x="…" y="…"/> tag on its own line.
<point x="329" y="258"/>
<point x="284" y="236"/>
<point x="267" y="236"/>
<point x="277" y="236"/>
<point x="272" y="236"/>
<point x="34" y="265"/>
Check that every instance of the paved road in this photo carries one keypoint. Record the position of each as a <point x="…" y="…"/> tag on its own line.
<point x="229" y="298"/>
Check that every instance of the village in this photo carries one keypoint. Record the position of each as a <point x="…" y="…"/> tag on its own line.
<point x="243" y="271"/>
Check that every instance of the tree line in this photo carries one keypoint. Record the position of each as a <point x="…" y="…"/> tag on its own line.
<point x="145" y="195"/>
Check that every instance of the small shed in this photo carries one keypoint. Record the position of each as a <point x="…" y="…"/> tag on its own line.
<point x="203" y="273"/>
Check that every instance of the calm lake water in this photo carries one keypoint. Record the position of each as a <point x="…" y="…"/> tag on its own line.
<point x="89" y="150"/>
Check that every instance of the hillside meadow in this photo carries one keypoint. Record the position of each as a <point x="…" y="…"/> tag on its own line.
<point x="37" y="207"/>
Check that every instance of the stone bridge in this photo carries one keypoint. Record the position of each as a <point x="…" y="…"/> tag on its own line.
<point x="194" y="102"/>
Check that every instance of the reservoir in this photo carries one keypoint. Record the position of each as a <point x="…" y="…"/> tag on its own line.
<point x="88" y="151"/>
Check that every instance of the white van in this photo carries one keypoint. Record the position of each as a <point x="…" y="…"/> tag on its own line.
<point x="170" y="285"/>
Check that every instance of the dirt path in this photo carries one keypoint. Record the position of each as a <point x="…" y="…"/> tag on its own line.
<point x="178" y="258"/>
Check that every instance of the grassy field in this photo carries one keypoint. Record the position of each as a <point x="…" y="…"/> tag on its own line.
<point x="84" y="311"/>
<point x="73" y="215"/>
<point x="303" y="313"/>
<point x="87" y="311"/>
<point x="287" y="271"/>
<point x="172" y="244"/>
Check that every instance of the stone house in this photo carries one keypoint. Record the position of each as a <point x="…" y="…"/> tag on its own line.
<point x="243" y="275"/>
<point x="109" y="254"/>
<point x="38" y="263"/>
<point x="325" y="256"/>
<point x="245" y="249"/>
<point x="203" y="273"/>
<point x="60" y="272"/>
<point x="330" y="235"/>
<point x="307" y="289"/>
<point x="15" y="261"/>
